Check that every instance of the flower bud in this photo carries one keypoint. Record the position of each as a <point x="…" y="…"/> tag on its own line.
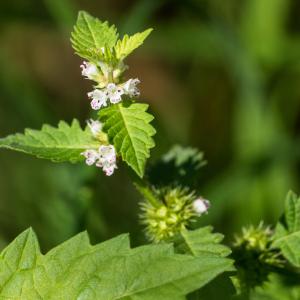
<point x="201" y="205"/>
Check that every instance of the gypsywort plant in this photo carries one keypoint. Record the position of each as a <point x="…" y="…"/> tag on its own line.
<point x="180" y="258"/>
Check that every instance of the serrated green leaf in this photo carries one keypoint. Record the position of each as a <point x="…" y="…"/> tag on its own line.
<point x="129" y="43"/>
<point x="90" y="35"/>
<point x="108" y="271"/>
<point x="64" y="143"/>
<point x="128" y="127"/>
<point x="287" y="232"/>
<point x="202" y="241"/>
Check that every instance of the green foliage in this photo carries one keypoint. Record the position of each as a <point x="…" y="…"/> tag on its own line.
<point x="64" y="143"/>
<point x="278" y="288"/>
<point x="90" y="35"/>
<point x="129" y="43"/>
<point x="96" y="41"/>
<point x="110" y="270"/>
<point x="261" y="255"/>
<point x="128" y="128"/>
<point x="255" y="259"/>
<point x="287" y="232"/>
<point x="202" y="241"/>
<point x="250" y="178"/>
<point x="127" y="124"/>
<point x="180" y="165"/>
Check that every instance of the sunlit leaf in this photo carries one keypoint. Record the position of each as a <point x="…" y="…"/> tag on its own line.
<point x="129" y="43"/>
<point x="91" y="36"/>
<point x="110" y="270"/>
<point x="129" y="129"/>
<point x="64" y="143"/>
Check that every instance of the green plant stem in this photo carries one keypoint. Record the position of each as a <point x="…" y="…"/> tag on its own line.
<point x="111" y="76"/>
<point x="145" y="190"/>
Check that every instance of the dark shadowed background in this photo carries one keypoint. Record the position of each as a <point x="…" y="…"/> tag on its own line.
<point x="222" y="76"/>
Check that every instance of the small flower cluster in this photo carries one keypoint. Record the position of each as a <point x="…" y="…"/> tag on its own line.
<point x="178" y="210"/>
<point x="108" y="92"/>
<point x="254" y="238"/>
<point x="255" y="258"/>
<point x="105" y="156"/>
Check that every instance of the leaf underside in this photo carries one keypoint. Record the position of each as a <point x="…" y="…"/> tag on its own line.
<point x="58" y="144"/>
<point x="110" y="270"/>
<point x="128" y="128"/>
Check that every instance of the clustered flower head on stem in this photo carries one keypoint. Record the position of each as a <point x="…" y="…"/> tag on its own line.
<point x="108" y="89"/>
<point x="178" y="209"/>
<point x="255" y="257"/>
<point x="105" y="156"/>
<point x="112" y="93"/>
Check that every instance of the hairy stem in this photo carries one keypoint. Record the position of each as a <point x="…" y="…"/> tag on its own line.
<point x="145" y="191"/>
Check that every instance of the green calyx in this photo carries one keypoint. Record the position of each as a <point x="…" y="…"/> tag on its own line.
<point x="102" y="138"/>
<point x="109" y="72"/>
<point x="255" y="258"/>
<point x="174" y="214"/>
<point x="254" y="238"/>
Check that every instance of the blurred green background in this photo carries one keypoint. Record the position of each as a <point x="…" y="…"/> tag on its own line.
<point x="222" y="76"/>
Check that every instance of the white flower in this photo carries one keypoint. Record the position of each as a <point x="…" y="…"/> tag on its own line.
<point x="107" y="159"/>
<point x="104" y="158"/>
<point x="109" y="169"/>
<point x="99" y="99"/>
<point x="105" y="69"/>
<point x="114" y="93"/>
<point x="201" y="205"/>
<point x="107" y="154"/>
<point x="95" y="126"/>
<point x="130" y="87"/>
<point x="91" y="156"/>
<point x="89" y="70"/>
